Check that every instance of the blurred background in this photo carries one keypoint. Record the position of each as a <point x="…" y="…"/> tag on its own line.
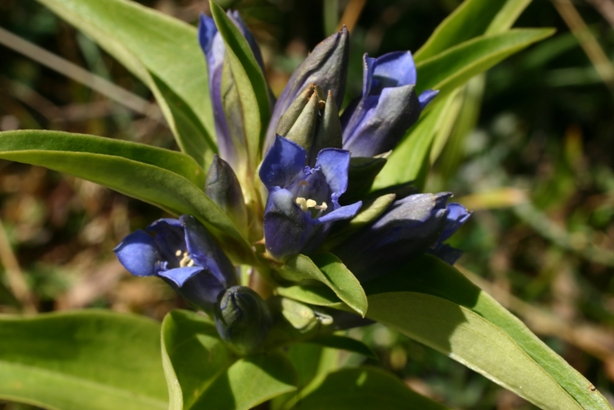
<point x="530" y="148"/>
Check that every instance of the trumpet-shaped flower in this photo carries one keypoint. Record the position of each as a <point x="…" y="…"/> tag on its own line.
<point x="184" y="254"/>
<point x="410" y="227"/>
<point x="375" y="122"/>
<point x="303" y="202"/>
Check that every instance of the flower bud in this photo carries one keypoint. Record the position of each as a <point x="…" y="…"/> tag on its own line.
<point x="376" y="122"/>
<point x="242" y="319"/>
<point x="326" y="67"/>
<point x="223" y="188"/>
<point x="409" y="227"/>
<point x="312" y="121"/>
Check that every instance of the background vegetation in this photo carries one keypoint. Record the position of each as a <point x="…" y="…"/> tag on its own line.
<point x="531" y="151"/>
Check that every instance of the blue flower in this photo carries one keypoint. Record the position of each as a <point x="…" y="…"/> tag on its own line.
<point x="184" y="254"/>
<point x="303" y="202"/>
<point x="410" y="227"/>
<point x="375" y="122"/>
<point x="326" y="67"/>
<point x="227" y="112"/>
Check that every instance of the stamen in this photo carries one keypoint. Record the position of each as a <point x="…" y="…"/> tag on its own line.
<point x="185" y="260"/>
<point x="322" y="207"/>
<point x="311" y="203"/>
<point x="306" y="204"/>
<point x="301" y="202"/>
<point x="178" y="253"/>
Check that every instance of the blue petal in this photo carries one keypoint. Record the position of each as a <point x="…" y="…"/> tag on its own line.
<point x="180" y="275"/>
<point x="394" y="70"/>
<point x="138" y="254"/>
<point x="368" y="66"/>
<point x="446" y="253"/>
<point x="426" y="97"/>
<point x="286" y="227"/>
<point x="380" y="122"/>
<point x="284" y="161"/>
<point x="345" y="212"/>
<point x="334" y="164"/>
<point x="205" y="252"/>
<point x="206" y="32"/>
<point x="457" y="216"/>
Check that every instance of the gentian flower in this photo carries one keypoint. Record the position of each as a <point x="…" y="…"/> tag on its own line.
<point x="375" y="122"/>
<point x="224" y="95"/>
<point x="242" y="319"/>
<point x="303" y="202"/>
<point x="326" y="67"/>
<point x="410" y="227"/>
<point x="184" y="254"/>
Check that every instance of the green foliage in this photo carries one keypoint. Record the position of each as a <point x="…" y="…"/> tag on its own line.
<point x="329" y="270"/>
<point x="146" y="173"/>
<point x="432" y="302"/>
<point x="201" y="371"/>
<point x="82" y="360"/>
<point x="162" y="52"/>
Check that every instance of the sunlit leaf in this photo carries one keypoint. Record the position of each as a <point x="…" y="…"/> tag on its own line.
<point x="329" y="270"/>
<point x="161" y="51"/>
<point x="435" y="304"/>
<point x="146" y="173"/>
<point x="82" y="360"/>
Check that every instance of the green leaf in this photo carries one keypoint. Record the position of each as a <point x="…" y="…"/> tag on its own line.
<point x="408" y="161"/>
<point x="250" y="83"/>
<point x="202" y="373"/>
<point x="471" y="19"/>
<point x="329" y="270"/>
<point x="343" y="343"/>
<point x="82" y="360"/>
<point x="193" y="356"/>
<point x="161" y="51"/>
<point x="146" y="173"/>
<point x="250" y="381"/>
<point x="313" y="295"/>
<point x="455" y="66"/>
<point x="435" y="304"/>
<point x="364" y="388"/>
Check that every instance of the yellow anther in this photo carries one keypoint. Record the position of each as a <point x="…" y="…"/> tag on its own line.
<point x="311" y="203"/>
<point x="322" y="207"/>
<point x="178" y="253"/>
<point x="186" y="260"/>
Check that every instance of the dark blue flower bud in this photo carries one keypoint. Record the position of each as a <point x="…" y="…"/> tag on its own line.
<point x="242" y="319"/>
<point x="303" y="202"/>
<point x="184" y="254"/>
<point x="227" y="112"/>
<point x="376" y="122"/>
<point x="326" y="67"/>
<point x="410" y="227"/>
<point x="223" y="188"/>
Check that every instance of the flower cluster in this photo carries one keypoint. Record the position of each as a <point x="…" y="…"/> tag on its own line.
<point x="308" y="152"/>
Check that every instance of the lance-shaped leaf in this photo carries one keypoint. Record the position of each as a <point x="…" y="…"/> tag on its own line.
<point x="82" y="360"/>
<point x="363" y="388"/>
<point x="202" y="373"/>
<point x="145" y="41"/>
<point x="471" y="19"/>
<point x="329" y="270"/>
<point x="455" y="66"/>
<point x="435" y="304"/>
<point x="250" y="85"/>
<point x="136" y="170"/>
